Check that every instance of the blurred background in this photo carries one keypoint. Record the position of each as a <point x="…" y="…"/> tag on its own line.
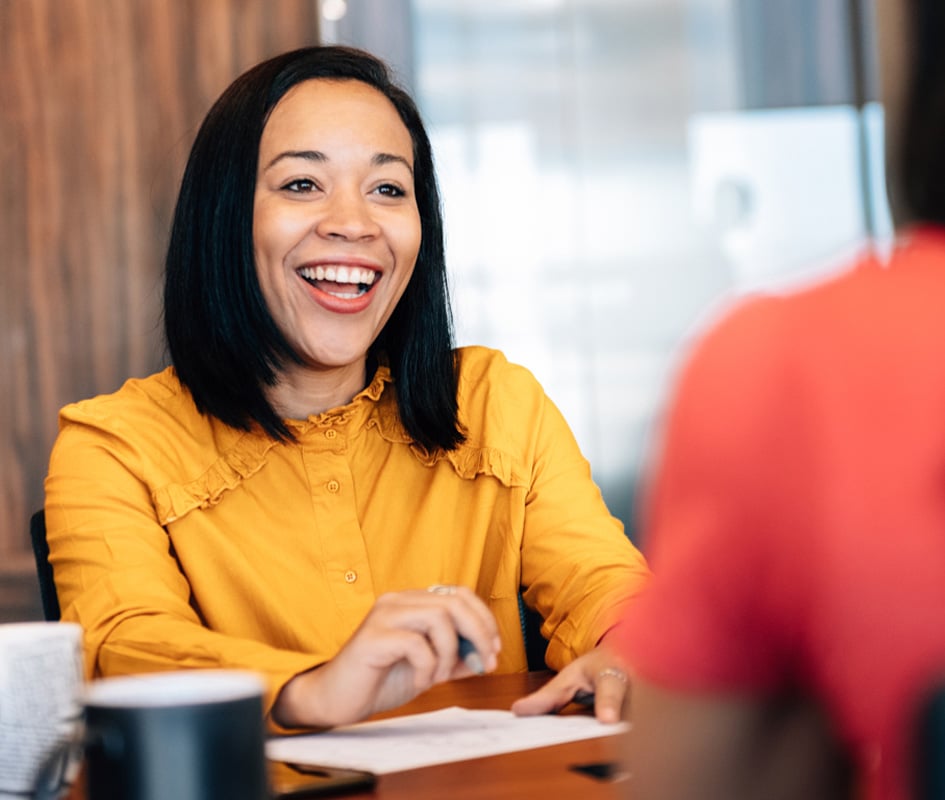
<point x="613" y="172"/>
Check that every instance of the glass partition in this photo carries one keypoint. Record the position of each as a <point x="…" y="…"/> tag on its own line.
<point x="615" y="171"/>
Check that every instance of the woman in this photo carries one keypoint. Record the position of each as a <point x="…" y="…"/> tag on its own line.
<point x="318" y="455"/>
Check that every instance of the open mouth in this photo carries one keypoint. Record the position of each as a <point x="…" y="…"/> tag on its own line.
<point x="343" y="282"/>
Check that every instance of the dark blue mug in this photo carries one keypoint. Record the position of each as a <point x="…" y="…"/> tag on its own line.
<point x="186" y="735"/>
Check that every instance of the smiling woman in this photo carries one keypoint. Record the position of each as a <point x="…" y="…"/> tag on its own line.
<point x="319" y="454"/>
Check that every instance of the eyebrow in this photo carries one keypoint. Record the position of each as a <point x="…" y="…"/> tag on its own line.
<point x="378" y="159"/>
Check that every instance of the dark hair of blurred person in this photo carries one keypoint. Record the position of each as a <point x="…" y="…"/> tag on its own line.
<point x="917" y="126"/>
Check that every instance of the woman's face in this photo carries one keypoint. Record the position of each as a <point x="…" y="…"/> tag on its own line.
<point x="336" y="229"/>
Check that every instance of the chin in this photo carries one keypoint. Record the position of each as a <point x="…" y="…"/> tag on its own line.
<point x="322" y="361"/>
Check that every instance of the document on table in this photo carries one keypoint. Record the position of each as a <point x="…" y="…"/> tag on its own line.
<point x="436" y="737"/>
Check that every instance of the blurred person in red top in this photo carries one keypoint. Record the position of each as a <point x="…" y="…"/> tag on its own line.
<point x="796" y="520"/>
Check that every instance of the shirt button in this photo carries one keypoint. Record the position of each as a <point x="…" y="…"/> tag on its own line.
<point x="333" y="486"/>
<point x="351" y="576"/>
<point x="331" y="433"/>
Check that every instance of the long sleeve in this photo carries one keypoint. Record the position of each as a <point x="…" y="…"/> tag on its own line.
<point x="117" y="572"/>
<point x="579" y="567"/>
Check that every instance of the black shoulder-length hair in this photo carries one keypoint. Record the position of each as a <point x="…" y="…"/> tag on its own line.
<point x="222" y="340"/>
<point x="919" y="160"/>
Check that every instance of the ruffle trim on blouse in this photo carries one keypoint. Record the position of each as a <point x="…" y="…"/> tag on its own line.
<point x="470" y="460"/>
<point x="362" y="405"/>
<point x="248" y="453"/>
<point x="246" y="458"/>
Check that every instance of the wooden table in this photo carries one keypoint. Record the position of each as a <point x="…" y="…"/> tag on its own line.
<point x="542" y="774"/>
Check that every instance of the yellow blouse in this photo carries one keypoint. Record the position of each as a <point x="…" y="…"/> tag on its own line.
<point x="178" y="541"/>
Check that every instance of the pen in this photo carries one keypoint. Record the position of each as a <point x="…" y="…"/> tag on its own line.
<point x="584" y="698"/>
<point x="467" y="652"/>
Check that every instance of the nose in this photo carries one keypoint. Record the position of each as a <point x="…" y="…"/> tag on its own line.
<point x="346" y="214"/>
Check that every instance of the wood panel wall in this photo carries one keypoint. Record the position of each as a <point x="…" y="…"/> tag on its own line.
<point x="99" y="102"/>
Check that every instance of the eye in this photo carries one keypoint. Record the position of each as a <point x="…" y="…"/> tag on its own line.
<point x="390" y="190"/>
<point x="300" y="186"/>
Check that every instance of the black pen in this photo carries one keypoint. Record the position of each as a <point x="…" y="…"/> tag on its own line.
<point x="470" y="656"/>
<point x="584" y="698"/>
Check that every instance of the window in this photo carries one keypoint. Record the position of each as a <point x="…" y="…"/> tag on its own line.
<point x="614" y="170"/>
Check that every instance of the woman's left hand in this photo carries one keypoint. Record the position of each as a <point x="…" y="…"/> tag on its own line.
<point x="598" y="672"/>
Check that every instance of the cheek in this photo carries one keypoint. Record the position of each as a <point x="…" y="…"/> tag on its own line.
<point x="408" y="241"/>
<point x="266" y="257"/>
<point x="414" y="249"/>
<point x="404" y="240"/>
<point x="274" y="237"/>
<point x="277" y="227"/>
<point x="266" y="231"/>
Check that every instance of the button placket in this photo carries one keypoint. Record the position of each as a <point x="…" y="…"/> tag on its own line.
<point x="337" y="528"/>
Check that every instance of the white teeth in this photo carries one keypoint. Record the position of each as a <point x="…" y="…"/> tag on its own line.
<point x="356" y="275"/>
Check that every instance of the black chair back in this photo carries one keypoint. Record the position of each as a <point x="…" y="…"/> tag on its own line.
<point x="930" y="748"/>
<point x="535" y="643"/>
<point x="47" y="585"/>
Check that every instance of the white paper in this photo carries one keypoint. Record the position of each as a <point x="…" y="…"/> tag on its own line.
<point x="436" y="737"/>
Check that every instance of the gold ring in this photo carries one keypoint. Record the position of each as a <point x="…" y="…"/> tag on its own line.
<point x="439" y="588"/>
<point x="612" y="672"/>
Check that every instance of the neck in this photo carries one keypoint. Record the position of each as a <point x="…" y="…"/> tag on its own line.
<point x="303" y="391"/>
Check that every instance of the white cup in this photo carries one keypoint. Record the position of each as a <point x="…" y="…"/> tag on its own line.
<point x="41" y="682"/>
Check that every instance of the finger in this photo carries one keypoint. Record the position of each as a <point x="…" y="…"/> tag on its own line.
<point x="473" y="620"/>
<point x="610" y="693"/>
<point x="380" y="648"/>
<point x="425" y="662"/>
<point x="442" y="614"/>
<point x="553" y="696"/>
<point x="377" y="669"/>
<point x="484" y="614"/>
<point x="438" y="628"/>
<point x="429" y="639"/>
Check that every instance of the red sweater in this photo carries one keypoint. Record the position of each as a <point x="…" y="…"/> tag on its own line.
<point x="796" y="526"/>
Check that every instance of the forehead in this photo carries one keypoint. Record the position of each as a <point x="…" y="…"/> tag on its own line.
<point x="322" y="112"/>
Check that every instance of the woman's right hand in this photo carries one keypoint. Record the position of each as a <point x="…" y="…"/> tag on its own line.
<point x="408" y="642"/>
